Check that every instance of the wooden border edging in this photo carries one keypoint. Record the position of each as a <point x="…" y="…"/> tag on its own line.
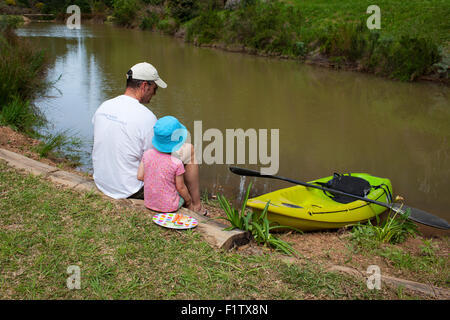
<point x="211" y="230"/>
<point x="429" y="290"/>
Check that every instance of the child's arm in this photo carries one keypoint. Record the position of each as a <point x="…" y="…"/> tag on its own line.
<point x="183" y="190"/>
<point x="140" y="174"/>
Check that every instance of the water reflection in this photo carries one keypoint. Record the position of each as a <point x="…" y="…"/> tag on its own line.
<point x="329" y="121"/>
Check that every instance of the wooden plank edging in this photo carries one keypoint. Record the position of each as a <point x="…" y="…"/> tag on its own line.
<point x="429" y="290"/>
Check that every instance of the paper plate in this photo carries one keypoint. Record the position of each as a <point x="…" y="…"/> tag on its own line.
<point x="165" y="220"/>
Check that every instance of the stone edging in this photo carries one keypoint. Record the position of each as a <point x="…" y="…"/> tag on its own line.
<point x="429" y="290"/>
<point x="211" y="230"/>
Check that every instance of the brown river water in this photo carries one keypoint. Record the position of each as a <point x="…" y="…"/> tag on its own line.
<point x="328" y="121"/>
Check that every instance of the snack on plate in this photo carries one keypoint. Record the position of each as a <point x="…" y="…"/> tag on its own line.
<point x="180" y="219"/>
<point x="183" y="219"/>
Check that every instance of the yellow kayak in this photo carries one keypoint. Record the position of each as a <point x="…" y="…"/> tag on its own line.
<point x="308" y="209"/>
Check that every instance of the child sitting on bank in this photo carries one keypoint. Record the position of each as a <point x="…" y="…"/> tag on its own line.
<point x="162" y="173"/>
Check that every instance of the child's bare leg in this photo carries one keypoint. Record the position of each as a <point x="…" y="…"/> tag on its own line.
<point x="191" y="176"/>
<point x="193" y="185"/>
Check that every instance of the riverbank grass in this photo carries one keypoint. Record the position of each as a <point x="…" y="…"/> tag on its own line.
<point x="22" y="78"/>
<point x="23" y="68"/>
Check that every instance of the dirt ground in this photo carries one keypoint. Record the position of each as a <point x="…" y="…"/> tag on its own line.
<point x="14" y="141"/>
<point x="333" y="247"/>
<point x="327" y="247"/>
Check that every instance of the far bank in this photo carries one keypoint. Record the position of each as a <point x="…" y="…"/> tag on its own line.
<point x="411" y="44"/>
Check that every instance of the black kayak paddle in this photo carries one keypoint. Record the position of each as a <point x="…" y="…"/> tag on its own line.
<point x="416" y="215"/>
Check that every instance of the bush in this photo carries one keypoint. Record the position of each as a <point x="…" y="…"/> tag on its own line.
<point x="125" y="12"/>
<point x="404" y="58"/>
<point x="183" y="10"/>
<point x="266" y="26"/>
<point x="149" y="22"/>
<point x="206" y="28"/>
<point x="168" y="26"/>
<point x="409" y="58"/>
<point x="300" y="48"/>
<point x="345" y="40"/>
<point x="8" y="23"/>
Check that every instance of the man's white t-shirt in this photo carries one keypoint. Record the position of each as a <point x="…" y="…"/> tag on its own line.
<point x="123" y="130"/>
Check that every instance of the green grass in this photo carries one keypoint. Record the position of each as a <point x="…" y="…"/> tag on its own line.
<point x="417" y="18"/>
<point x="396" y="228"/>
<point x="429" y="265"/>
<point x="428" y="262"/>
<point x="61" y="145"/>
<point x="123" y="255"/>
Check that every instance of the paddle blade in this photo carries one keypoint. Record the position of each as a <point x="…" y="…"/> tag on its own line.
<point x="245" y="172"/>
<point x="422" y="217"/>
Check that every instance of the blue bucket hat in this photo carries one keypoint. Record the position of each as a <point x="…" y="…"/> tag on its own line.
<point x="169" y="134"/>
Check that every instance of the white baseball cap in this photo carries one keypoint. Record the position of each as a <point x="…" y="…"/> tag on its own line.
<point x="145" y="71"/>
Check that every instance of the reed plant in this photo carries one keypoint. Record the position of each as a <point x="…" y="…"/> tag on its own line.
<point x="395" y="229"/>
<point x="62" y="144"/>
<point x="256" y="223"/>
<point x="22" y="78"/>
<point x="20" y="115"/>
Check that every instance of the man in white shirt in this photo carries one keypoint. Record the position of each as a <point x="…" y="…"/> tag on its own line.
<point x="123" y="130"/>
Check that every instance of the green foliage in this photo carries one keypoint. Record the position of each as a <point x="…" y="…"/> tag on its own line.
<point x="428" y="261"/>
<point x="20" y="115"/>
<point x="315" y="280"/>
<point x="238" y="219"/>
<point x="168" y="26"/>
<point x="266" y="26"/>
<point x="149" y="21"/>
<point x="10" y="22"/>
<point x="206" y="28"/>
<point x="60" y="145"/>
<point x="260" y="228"/>
<point x="427" y="249"/>
<point x="125" y="11"/>
<point x="344" y="40"/>
<point x="399" y="50"/>
<point x="22" y="69"/>
<point x="300" y="49"/>
<point x="257" y="224"/>
<point x="183" y="10"/>
<point x="407" y="58"/>
<point x="404" y="58"/>
<point x="395" y="229"/>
